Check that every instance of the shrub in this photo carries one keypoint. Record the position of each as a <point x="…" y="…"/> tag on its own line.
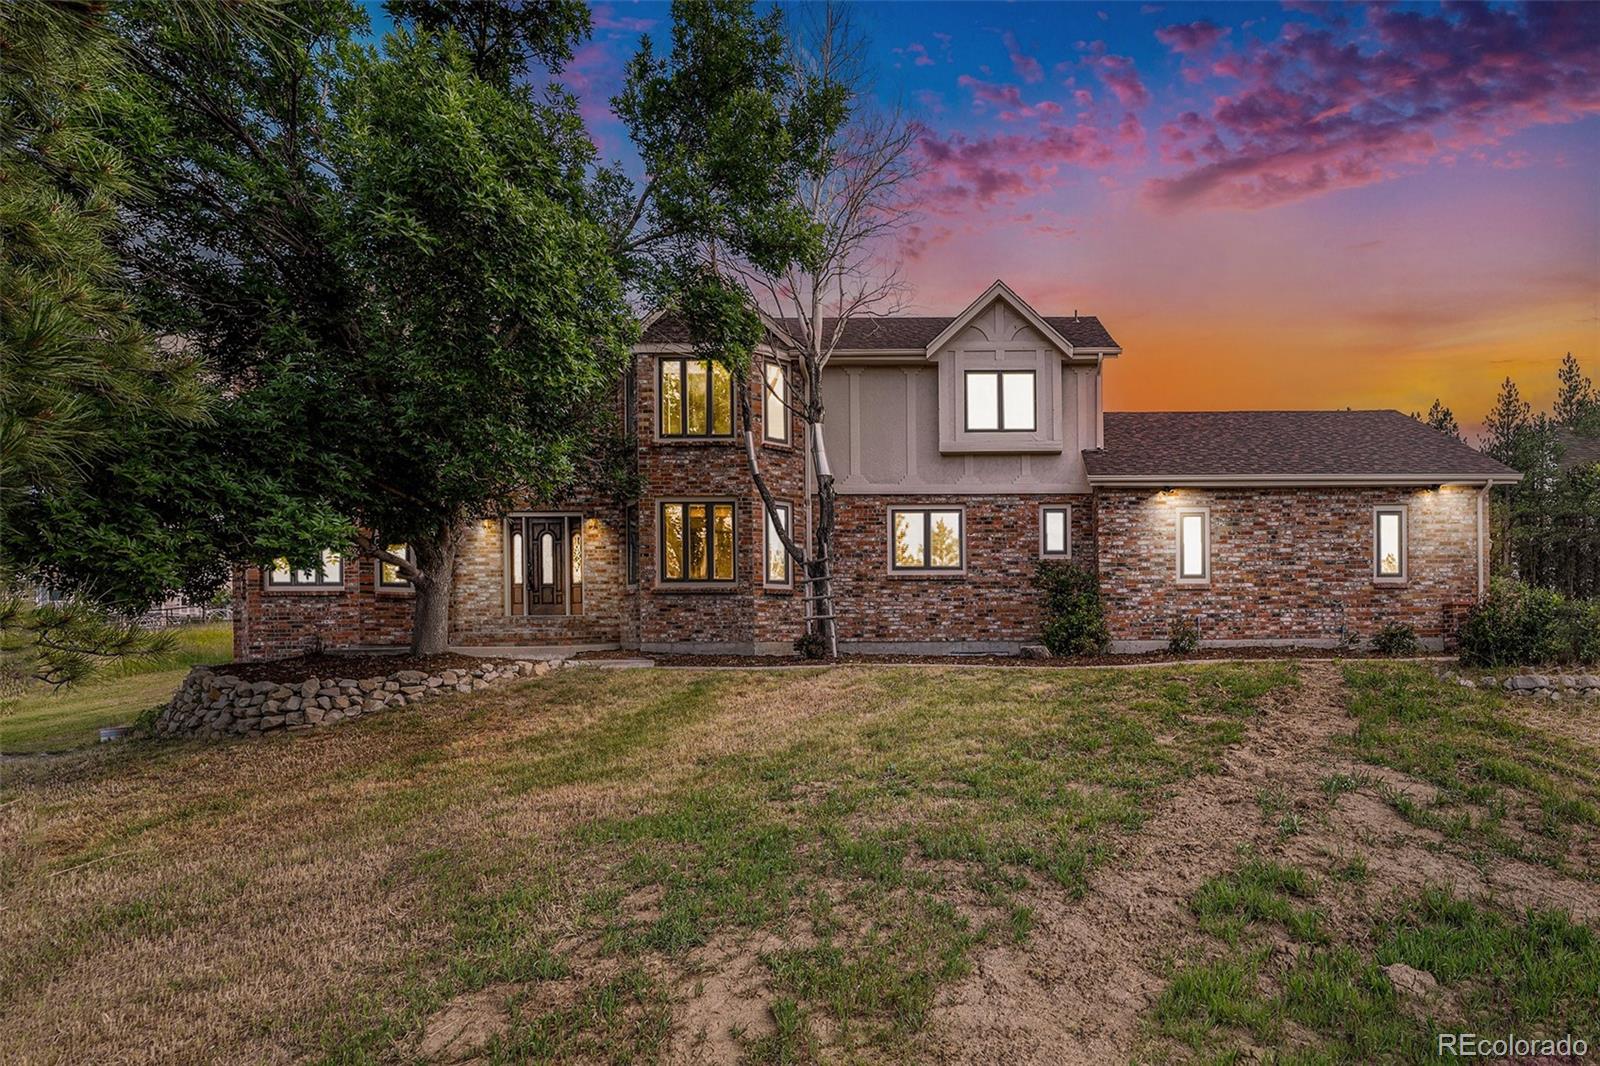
<point x="1074" y="622"/>
<point x="1183" y="636"/>
<point x="1395" y="638"/>
<point x="1518" y="625"/>
<point x="811" y="645"/>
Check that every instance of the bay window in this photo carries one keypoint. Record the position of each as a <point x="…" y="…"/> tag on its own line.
<point x="695" y="399"/>
<point x="777" y="556"/>
<point x="775" y="404"/>
<point x="696" y="539"/>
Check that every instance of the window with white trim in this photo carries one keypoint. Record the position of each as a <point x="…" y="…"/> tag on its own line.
<point x="328" y="575"/>
<point x="389" y="576"/>
<point x="696" y="541"/>
<point x="695" y="399"/>
<point x="775" y="404"/>
<point x="778" y="572"/>
<point x="1000" y="401"/>
<point x="1194" y="545"/>
<point x="1055" y="532"/>
<point x="926" y="540"/>
<point x="1389" y="544"/>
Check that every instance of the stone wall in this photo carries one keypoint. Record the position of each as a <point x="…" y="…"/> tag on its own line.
<point x="1286" y="564"/>
<point x="993" y="606"/>
<point x="212" y="705"/>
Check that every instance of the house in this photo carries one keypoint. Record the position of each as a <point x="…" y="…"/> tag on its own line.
<point x="965" y="450"/>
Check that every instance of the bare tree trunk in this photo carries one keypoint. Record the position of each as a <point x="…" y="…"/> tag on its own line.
<point x="822" y="563"/>
<point x="434" y="582"/>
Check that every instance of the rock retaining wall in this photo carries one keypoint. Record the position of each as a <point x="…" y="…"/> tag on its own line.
<point x="209" y="704"/>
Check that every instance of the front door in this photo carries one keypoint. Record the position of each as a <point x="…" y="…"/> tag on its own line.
<point x="546" y="547"/>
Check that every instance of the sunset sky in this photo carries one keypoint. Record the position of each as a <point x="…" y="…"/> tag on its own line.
<point x="1311" y="205"/>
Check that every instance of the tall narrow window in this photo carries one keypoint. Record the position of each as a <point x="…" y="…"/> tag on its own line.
<point x="925" y="540"/>
<point x="1389" y="544"/>
<point x="696" y="399"/>
<point x="389" y="576"/>
<point x="777" y="557"/>
<point x="630" y="520"/>
<point x="1000" y="400"/>
<point x="775" y="409"/>
<point x="697" y="543"/>
<point x="1055" y="532"/>
<point x="328" y="575"/>
<point x="1194" y="546"/>
<point x="630" y="401"/>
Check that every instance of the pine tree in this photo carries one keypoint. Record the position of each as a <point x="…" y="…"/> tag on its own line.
<point x="1441" y="418"/>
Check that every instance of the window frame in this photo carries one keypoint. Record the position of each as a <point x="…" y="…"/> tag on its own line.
<point x="1403" y="512"/>
<point x="767" y="544"/>
<point x="684" y="434"/>
<point x="1045" y="510"/>
<point x="927" y="511"/>
<point x="630" y="399"/>
<point x="1205" y="542"/>
<point x="999" y="374"/>
<point x="709" y="582"/>
<point x="768" y="397"/>
<point x="321" y="583"/>
<point x="400" y="586"/>
<point x="630" y="545"/>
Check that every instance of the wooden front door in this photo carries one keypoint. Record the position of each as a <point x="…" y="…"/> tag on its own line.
<point x="545" y="542"/>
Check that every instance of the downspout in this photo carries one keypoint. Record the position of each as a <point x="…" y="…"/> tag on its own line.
<point x="1482" y="495"/>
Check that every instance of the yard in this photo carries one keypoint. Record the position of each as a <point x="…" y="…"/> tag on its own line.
<point x="1179" y="863"/>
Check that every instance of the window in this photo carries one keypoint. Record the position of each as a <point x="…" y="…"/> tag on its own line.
<point x="1194" y="546"/>
<point x="925" y="540"/>
<point x="1389" y="544"/>
<point x="389" y="576"/>
<point x="777" y="557"/>
<point x="630" y="519"/>
<point x="696" y="399"/>
<point x="630" y="402"/>
<point x="544" y="565"/>
<point x="328" y="575"/>
<point x="1055" y="532"/>
<point x="1000" y="400"/>
<point x="775" y="405"/>
<point x="696" y="542"/>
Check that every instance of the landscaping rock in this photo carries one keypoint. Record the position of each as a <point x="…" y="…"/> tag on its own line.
<point x="1035" y="651"/>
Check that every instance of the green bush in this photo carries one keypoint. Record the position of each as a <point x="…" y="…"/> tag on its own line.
<point x="811" y="645"/>
<point x="1183" y="636"/>
<point x="1074" y="622"/>
<point x="1519" y="625"/>
<point x="1395" y="638"/>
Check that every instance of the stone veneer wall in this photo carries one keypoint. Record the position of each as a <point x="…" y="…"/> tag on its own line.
<point x="212" y="705"/>
<point x="993" y="606"/>
<point x="1286" y="564"/>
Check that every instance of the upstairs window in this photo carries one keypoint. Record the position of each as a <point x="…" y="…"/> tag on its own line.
<point x="1389" y="544"/>
<point x="696" y="399"/>
<point x="328" y="575"/>
<point x="389" y="576"/>
<point x="925" y="540"/>
<point x="777" y="557"/>
<point x="775" y="405"/>
<point x="1000" y="401"/>
<point x="1055" y="532"/>
<point x="696" y="542"/>
<point x="1194" y="546"/>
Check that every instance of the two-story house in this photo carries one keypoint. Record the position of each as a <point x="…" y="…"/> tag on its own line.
<point x="965" y="449"/>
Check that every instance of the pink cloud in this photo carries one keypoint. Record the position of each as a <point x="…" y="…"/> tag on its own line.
<point x="1027" y="67"/>
<point x="605" y="17"/>
<point x="1187" y="38"/>
<point x="1314" y="114"/>
<point x="918" y="53"/>
<point x="1119" y="75"/>
<point x="1006" y="97"/>
<point x="965" y="172"/>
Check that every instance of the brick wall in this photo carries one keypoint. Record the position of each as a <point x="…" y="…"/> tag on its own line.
<point x="1290" y="564"/>
<point x="992" y="605"/>
<point x="273" y="623"/>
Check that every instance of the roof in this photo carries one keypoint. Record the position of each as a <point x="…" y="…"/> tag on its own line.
<point x="1577" y="451"/>
<point x="898" y="331"/>
<point x="1222" y="447"/>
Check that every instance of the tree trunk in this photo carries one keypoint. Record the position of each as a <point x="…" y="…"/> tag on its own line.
<point x="821" y="587"/>
<point x="430" y="623"/>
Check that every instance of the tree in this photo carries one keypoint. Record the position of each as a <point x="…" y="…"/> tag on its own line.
<point x="1577" y="403"/>
<point x="857" y="199"/>
<point x="1440" y="418"/>
<point x="503" y="39"/>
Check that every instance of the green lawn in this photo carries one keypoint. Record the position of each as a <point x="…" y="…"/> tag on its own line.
<point x="56" y="721"/>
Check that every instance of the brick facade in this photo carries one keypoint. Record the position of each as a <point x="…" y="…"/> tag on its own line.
<point x="1286" y="564"/>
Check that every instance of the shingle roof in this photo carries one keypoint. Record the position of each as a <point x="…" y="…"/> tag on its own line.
<point x="1193" y="446"/>
<point x="1577" y="451"/>
<point x="900" y="331"/>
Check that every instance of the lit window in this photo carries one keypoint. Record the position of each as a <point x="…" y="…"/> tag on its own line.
<point x="1194" y="547"/>
<point x="389" y="576"/>
<point x="925" y="540"/>
<point x="1056" y="531"/>
<point x="696" y="542"/>
<point x="696" y="399"/>
<point x="330" y="574"/>
<point x="1389" y="554"/>
<point x="1000" y="400"/>
<point x="775" y="410"/>
<point x="777" y="558"/>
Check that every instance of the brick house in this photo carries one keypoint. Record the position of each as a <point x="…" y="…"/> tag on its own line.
<point x="965" y="450"/>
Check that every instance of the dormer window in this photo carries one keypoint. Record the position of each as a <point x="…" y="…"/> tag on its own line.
<point x="1000" y="401"/>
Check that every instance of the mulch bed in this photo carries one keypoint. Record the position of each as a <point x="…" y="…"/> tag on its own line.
<point x="357" y="666"/>
<point x="980" y="660"/>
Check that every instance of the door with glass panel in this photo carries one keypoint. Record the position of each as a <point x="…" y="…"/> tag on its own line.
<point x="544" y="562"/>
